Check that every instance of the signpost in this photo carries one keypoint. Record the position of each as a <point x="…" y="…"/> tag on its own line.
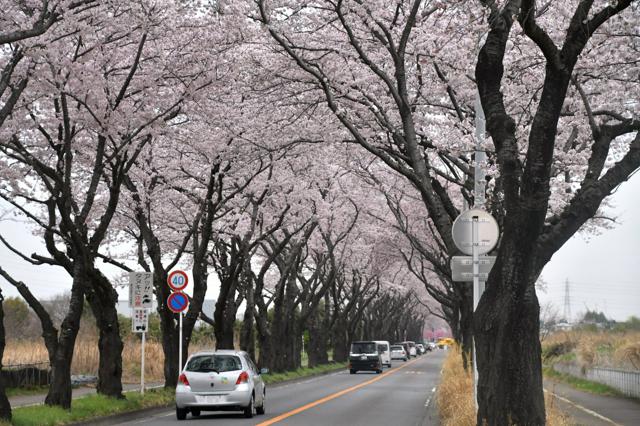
<point x="475" y="232"/>
<point x="178" y="302"/>
<point x="140" y="299"/>
<point x="141" y="290"/>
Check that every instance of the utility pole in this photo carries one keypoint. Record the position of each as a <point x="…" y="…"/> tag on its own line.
<point x="567" y="302"/>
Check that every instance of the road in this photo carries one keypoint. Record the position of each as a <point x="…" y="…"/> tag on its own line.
<point x="399" y="396"/>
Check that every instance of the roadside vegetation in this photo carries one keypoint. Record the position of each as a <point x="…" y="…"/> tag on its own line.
<point x="595" y="341"/>
<point x="581" y="384"/>
<point x="591" y="346"/>
<point x="455" y="396"/>
<point x="90" y="407"/>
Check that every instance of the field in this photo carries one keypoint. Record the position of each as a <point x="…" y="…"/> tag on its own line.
<point x="590" y="348"/>
<point x="85" y="358"/>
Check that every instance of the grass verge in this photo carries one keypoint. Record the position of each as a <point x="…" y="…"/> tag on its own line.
<point x="303" y="372"/>
<point x="581" y="384"/>
<point x="455" y="397"/>
<point x="90" y="407"/>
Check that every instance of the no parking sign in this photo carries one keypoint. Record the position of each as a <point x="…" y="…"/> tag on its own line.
<point x="177" y="302"/>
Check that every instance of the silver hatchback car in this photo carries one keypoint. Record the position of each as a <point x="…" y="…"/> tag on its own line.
<point x="223" y="380"/>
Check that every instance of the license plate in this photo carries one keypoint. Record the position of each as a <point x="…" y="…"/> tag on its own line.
<point x="208" y="399"/>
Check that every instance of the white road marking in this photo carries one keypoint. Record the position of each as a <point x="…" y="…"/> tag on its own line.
<point x="586" y="410"/>
<point x="426" y="404"/>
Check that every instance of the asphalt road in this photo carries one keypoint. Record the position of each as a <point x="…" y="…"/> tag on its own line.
<point x="399" y="396"/>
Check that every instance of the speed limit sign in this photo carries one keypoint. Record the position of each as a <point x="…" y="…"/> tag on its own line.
<point x="177" y="280"/>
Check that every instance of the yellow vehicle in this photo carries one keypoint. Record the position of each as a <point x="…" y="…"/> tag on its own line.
<point x="445" y="341"/>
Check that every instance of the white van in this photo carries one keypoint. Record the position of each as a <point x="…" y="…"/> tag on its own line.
<point x="384" y="349"/>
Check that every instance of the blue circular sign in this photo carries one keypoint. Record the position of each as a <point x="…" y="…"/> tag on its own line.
<point x="177" y="302"/>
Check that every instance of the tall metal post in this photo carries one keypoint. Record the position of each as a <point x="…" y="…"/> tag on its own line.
<point x="478" y="202"/>
<point x="476" y="298"/>
<point x="180" y="345"/>
<point x="144" y="333"/>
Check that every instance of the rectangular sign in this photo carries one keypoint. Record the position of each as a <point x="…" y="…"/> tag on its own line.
<point x="462" y="267"/>
<point x="141" y="290"/>
<point x="139" y="320"/>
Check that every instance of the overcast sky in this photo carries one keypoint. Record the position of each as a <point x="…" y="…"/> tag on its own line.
<point x="602" y="272"/>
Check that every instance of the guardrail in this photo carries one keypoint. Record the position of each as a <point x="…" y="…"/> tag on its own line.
<point x="23" y="375"/>
<point x="625" y="381"/>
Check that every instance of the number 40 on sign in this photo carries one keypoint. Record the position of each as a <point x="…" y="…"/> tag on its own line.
<point x="177" y="280"/>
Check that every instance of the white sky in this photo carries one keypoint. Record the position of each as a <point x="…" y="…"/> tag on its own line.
<point x="603" y="272"/>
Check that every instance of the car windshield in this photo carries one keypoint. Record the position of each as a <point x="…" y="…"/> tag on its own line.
<point x="217" y="363"/>
<point x="363" y="348"/>
<point x="396" y="348"/>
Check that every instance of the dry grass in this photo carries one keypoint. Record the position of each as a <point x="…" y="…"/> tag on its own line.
<point x="86" y="356"/>
<point x="455" y="393"/>
<point x="455" y="397"/>
<point x="597" y="348"/>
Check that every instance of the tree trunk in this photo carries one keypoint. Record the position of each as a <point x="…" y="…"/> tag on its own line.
<point x="247" y="334"/>
<point x="60" y="386"/>
<point x="339" y="340"/>
<point x="5" y="406"/>
<point x="102" y="298"/>
<point x="223" y="324"/>
<point x="317" y="350"/>
<point x="200" y="277"/>
<point x="265" y="360"/>
<point x="506" y="328"/>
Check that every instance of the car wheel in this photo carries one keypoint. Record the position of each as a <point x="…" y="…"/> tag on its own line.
<point x="378" y="371"/>
<point x="195" y="413"/>
<point x="352" y="371"/>
<point x="181" y="413"/>
<point x="248" y="411"/>
<point x="261" y="409"/>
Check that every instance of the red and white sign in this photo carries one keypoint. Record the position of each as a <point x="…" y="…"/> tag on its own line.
<point x="177" y="302"/>
<point x="177" y="280"/>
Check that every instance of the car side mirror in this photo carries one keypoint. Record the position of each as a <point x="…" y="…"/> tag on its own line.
<point x="264" y="371"/>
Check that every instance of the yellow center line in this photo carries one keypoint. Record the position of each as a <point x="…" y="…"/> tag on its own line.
<point x="332" y="396"/>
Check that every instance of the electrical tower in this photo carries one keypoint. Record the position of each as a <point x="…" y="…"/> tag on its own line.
<point x="567" y="302"/>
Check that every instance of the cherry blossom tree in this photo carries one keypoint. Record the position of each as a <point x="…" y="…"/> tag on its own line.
<point x="100" y="95"/>
<point x="366" y="61"/>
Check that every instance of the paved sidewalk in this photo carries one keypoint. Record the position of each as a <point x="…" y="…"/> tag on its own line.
<point x="594" y="410"/>
<point x="25" y="400"/>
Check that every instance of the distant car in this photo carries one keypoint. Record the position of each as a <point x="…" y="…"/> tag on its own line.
<point x="385" y="354"/>
<point x="224" y="380"/>
<point x="412" y="348"/>
<point x="420" y="348"/>
<point x="432" y="345"/>
<point x="364" y="356"/>
<point x="405" y="345"/>
<point x="398" y="352"/>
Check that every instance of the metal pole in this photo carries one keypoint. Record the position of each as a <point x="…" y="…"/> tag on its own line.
<point x="180" y="345"/>
<point x="144" y="333"/>
<point x="478" y="202"/>
<point x="476" y="298"/>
